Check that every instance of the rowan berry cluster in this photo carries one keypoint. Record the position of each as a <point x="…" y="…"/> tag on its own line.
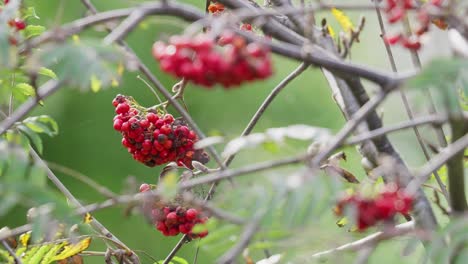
<point x="202" y="61"/>
<point x="383" y="207"/>
<point x="396" y="11"/>
<point x="173" y="220"/>
<point x="151" y="137"/>
<point x="17" y="24"/>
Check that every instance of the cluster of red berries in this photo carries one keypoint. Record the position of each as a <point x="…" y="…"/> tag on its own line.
<point x="153" y="138"/>
<point x="17" y="23"/>
<point x="173" y="220"/>
<point x="397" y="9"/>
<point x="385" y="206"/>
<point x="200" y="60"/>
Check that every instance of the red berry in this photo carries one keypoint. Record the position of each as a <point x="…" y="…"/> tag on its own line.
<point x="118" y="124"/>
<point x="145" y="187"/>
<point x="437" y="3"/>
<point x="144" y="123"/>
<point x="171" y="216"/>
<point x="392" y="40"/>
<point x="411" y="44"/>
<point x="152" y="117"/>
<point x="191" y="214"/>
<point x="246" y="27"/>
<point x="166" y="129"/>
<point x="396" y="15"/>
<point x="20" y="24"/>
<point x="122" y="108"/>
<point x="173" y="231"/>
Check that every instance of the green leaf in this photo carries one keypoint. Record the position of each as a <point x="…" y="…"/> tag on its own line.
<point x="25" y="89"/>
<point x="30" y="12"/>
<point x="86" y="64"/>
<point x="33" y="30"/>
<point x="47" y="72"/>
<point x="179" y="260"/>
<point x="34" y="139"/>
<point x="42" y="124"/>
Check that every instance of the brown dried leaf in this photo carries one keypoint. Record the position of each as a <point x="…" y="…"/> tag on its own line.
<point x="331" y="169"/>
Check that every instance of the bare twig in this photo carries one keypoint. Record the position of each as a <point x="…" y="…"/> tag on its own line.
<point x="268" y="100"/>
<point x="83" y="178"/>
<point x="12" y="253"/>
<point x="436" y="162"/>
<point x="369" y="240"/>
<point x="349" y="127"/>
<point x="6" y="232"/>
<point x="432" y="119"/>
<point x="229" y="173"/>
<point x="249" y="231"/>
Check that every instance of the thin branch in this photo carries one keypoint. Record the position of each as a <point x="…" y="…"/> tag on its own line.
<point x="432" y="119"/>
<point x="369" y="240"/>
<point x="249" y="232"/>
<point x="436" y="162"/>
<point x="268" y="100"/>
<point x="230" y="173"/>
<point x="349" y="127"/>
<point x="12" y="253"/>
<point x="83" y="178"/>
<point x="45" y="90"/>
<point x="5" y="232"/>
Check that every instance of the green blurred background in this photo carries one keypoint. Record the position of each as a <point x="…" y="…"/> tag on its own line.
<point x="88" y="143"/>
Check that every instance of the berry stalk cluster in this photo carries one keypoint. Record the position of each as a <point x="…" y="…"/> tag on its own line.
<point x="397" y="10"/>
<point x="383" y="207"/>
<point x="154" y="138"/>
<point x="229" y="61"/>
<point x="173" y="220"/>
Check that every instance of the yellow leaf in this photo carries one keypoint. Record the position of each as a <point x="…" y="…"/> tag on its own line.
<point x="342" y="222"/>
<point x="24" y="238"/>
<point x="76" y="39"/>
<point x="120" y="69"/>
<point x="73" y="249"/>
<point x="144" y="25"/>
<point x="344" y="20"/>
<point x="95" y="84"/>
<point x="331" y="32"/>
<point x="87" y="218"/>
<point x="114" y="83"/>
